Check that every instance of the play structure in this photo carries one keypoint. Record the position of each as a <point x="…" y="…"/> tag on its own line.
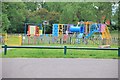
<point x="32" y="32"/>
<point x="83" y="30"/>
<point x="82" y="33"/>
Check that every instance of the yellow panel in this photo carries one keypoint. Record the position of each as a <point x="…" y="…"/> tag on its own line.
<point x="40" y="32"/>
<point x="60" y="29"/>
<point x="13" y="40"/>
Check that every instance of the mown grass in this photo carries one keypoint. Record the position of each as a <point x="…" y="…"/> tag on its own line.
<point x="114" y="33"/>
<point x="47" y="53"/>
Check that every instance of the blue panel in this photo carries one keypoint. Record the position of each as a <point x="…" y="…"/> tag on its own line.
<point x="82" y="29"/>
<point x="47" y="35"/>
<point x="99" y="27"/>
<point x="74" y="29"/>
<point x="55" y="34"/>
<point x="55" y="30"/>
<point x="93" y="27"/>
<point x="40" y="26"/>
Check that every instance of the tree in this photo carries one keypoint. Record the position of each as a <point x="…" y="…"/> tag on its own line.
<point x="54" y="6"/>
<point x="42" y="14"/>
<point x="16" y="15"/>
<point x="103" y="9"/>
<point x="0" y="16"/>
<point x="68" y="16"/>
<point x="5" y="23"/>
<point x="31" y="6"/>
<point x="119" y="17"/>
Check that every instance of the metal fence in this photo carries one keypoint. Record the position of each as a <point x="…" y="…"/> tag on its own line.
<point x="58" y="47"/>
<point x="71" y="39"/>
<point x="49" y="39"/>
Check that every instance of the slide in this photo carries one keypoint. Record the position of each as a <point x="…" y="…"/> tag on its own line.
<point x="103" y="35"/>
<point x="106" y="34"/>
<point x="90" y="34"/>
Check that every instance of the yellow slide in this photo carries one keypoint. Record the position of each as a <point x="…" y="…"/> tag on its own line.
<point x="103" y="35"/>
<point x="106" y="33"/>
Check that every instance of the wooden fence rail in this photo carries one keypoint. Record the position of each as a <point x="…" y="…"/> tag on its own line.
<point x="58" y="47"/>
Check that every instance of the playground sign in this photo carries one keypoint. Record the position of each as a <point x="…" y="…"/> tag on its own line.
<point x="45" y="23"/>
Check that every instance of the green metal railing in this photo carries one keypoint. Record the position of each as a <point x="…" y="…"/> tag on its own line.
<point x="58" y="47"/>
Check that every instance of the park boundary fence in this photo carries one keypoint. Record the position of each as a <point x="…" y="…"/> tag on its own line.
<point x="20" y="39"/>
<point x="58" y="47"/>
<point x="71" y="39"/>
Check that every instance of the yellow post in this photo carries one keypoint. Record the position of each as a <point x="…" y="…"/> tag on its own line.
<point x="20" y="40"/>
<point x="6" y="39"/>
<point x="40" y="32"/>
<point x="60" y="30"/>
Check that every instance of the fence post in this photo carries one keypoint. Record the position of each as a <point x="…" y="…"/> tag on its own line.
<point x="20" y="40"/>
<point x="118" y="51"/>
<point x="70" y="39"/>
<point x="65" y="50"/>
<point x="5" y="50"/>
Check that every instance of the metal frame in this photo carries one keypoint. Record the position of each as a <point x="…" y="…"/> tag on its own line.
<point x="58" y="47"/>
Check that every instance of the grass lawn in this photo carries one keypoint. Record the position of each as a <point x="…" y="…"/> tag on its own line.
<point x="114" y="33"/>
<point x="47" y="53"/>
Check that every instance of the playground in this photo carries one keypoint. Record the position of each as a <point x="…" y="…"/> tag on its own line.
<point x="59" y="39"/>
<point x="69" y="30"/>
<point x="84" y="34"/>
<point x="87" y="33"/>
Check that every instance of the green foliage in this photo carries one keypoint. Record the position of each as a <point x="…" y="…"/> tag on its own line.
<point x="31" y="6"/>
<point x="104" y="9"/>
<point x="17" y="14"/>
<point x="54" y="6"/>
<point x="5" y="22"/>
<point x="68" y="14"/>
<point x="119" y="21"/>
<point x="42" y="14"/>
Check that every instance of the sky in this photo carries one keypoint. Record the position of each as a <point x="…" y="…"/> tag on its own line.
<point x="114" y="8"/>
